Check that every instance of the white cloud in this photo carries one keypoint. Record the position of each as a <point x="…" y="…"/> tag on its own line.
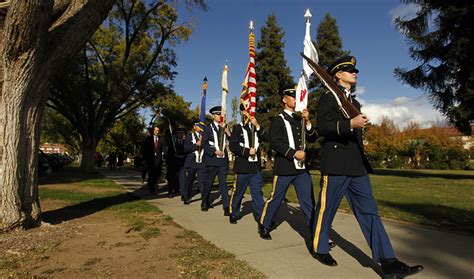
<point x="399" y="101"/>
<point x="403" y="110"/>
<point x="360" y="90"/>
<point x="405" y="12"/>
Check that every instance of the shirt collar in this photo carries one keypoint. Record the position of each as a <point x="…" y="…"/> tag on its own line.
<point x="290" y="113"/>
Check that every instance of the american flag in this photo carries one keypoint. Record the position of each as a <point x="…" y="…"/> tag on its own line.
<point x="248" y="96"/>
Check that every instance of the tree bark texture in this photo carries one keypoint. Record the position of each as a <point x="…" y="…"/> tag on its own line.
<point x="88" y="154"/>
<point x="34" y="45"/>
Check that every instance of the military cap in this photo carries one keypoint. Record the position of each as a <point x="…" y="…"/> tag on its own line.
<point x="291" y="91"/>
<point x="196" y="121"/>
<point x="180" y="130"/>
<point x="216" y="110"/>
<point x="345" y="63"/>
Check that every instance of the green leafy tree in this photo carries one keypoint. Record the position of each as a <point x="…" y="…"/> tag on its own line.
<point x="127" y="64"/>
<point x="441" y="37"/>
<point x="273" y="74"/>
<point x="57" y="129"/>
<point x="126" y="136"/>
<point x="175" y="109"/>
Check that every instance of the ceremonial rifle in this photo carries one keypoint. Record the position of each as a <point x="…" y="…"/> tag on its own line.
<point x="347" y="108"/>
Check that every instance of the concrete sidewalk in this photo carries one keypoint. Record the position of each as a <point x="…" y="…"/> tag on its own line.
<point x="444" y="255"/>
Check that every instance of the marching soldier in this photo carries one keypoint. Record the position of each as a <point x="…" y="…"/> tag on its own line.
<point x="194" y="163"/>
<point x="344" y="171"/>
<point x="216" y="160"/>
<point x="289" y="167"/>
<point x="244" y="143"/>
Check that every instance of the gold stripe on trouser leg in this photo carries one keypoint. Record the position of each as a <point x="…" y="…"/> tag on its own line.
<point x="321" y="213"/>
<point x="275" y="178"/>
<point x="233" y="193"/>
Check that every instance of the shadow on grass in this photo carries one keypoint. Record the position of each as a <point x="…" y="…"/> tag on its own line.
<point x="86" y="208"/>
<point x="423" y="174"/>
<point x="440" y="216"/>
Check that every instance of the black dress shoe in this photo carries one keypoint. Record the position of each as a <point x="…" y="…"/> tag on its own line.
<point x="209" y="205"/>
<point x="393" y="268"/>
<point x="186" y="202"/>
<point x="204" y="207"/>
<point x="226" y="211"/>
<point x="170" y="196"/>
<point x="326" y="259"/>
<point x="183" y="199"/>
<point x="332" y="244"/>
<point x="232" y="219"/>
<point x="264" y="232"/>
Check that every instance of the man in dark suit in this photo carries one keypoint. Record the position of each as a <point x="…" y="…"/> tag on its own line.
<point x="244" y="143"/>
<point x="289" y="166"/>
<point x="153" y="155"/>
<point x="344" y="171"/>
<point x="216" y="159"/>
<point x="194" y="163"/>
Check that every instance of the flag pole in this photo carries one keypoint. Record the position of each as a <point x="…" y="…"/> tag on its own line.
<point x="301" y="92"/>
<point x="225" y="91"/>
<point x="202" y="112"/>
<point x="251" y="47"/>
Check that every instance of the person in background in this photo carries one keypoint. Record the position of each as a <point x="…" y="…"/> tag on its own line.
<point x="153" y="147"/>
<point x="175" y="161"/>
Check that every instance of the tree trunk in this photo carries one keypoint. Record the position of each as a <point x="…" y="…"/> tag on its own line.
<point x="34" y="45"/>
<point x="20" y="140"/>
<point x="88" y="155"/>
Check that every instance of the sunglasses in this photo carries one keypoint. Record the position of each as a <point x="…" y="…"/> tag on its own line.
<point x="351" y="71"/>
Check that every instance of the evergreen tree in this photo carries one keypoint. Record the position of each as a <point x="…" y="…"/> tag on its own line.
<point x="441" y="37"/>
<point x="329" y="46"/>
<point x="273" y="75"/>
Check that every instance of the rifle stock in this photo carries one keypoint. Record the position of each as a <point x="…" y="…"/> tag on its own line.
<point x="347" y="108"/>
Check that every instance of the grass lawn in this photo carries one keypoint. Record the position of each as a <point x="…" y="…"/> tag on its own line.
<point x="436" y="198"/>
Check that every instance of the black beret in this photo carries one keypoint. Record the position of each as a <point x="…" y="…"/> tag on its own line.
<point x="345" y="63"/>
<point x="216" y="110"/>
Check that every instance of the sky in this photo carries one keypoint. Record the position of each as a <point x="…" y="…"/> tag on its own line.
<point x="366" y="28"/>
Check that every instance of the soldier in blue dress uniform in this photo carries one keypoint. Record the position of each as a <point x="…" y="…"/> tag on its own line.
<point x="194" y="162"/>
<point x="216" y="159"/>
<point x="344" y="172"/>
<point x="244" y="143"/>
<point x="289" y="166"/>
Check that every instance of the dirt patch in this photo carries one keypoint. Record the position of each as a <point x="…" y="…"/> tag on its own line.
<point x="94" y="233"/>
<point x="98" y="245"/>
